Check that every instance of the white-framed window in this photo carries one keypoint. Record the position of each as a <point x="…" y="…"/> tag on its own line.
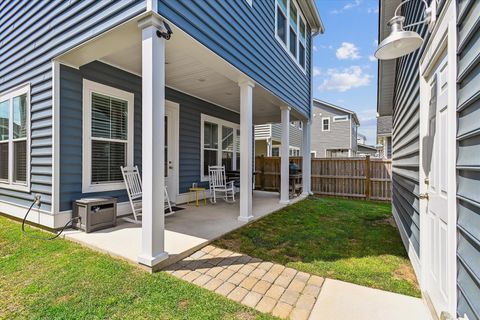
<point x="220" y="144"/>
<point x="291" y="30"/>
<point x="326" y="124"/>
<point x="340" y="118"/>
<point x="108" y="127"/>
<point x="275" y="151"/>
<point x="15" y="139"/>
<point x="294" y="151"/>
<point x="313" y="154"/>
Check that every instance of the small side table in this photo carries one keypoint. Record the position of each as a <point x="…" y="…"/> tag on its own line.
<point x="197" y="190"/>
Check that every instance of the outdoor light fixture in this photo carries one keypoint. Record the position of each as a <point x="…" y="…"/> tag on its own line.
<point x="401" y="42"/>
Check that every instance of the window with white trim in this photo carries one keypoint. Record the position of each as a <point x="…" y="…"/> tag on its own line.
<point x="340" y="118"/>
<point x="294" y="151"/>
<point x="108" y="136"/>
<point x="220" y="144"/>
<point x="15" y="139"/>
<point x="291" y="30"/>
<point x="325" y="124"/>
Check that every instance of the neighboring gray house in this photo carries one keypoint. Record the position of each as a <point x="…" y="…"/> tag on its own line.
<point x="363" y="148"/>
<point x="334" y="130"/>
<point x="268" y="139"/>
<point x="384" y="136"/>
<point x="433" y="95"/>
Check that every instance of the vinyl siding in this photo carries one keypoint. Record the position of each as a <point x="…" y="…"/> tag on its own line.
<point x="468" y="160"/>
<point x="339" y="136"/>
<point x="295" y="136"/>
<point x="405" y="142"/>
<point x="244" y="35"/>
<point x="31" y="34"/>
<point x="71" y="128"/>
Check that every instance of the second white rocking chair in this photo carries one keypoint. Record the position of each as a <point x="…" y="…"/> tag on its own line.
<point x="218" y="183"/>
<point x="133" y="183"/>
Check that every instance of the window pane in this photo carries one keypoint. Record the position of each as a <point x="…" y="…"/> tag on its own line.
<point x="281" y="25"/>
<point x="20" y="116"/>
<point x="209" y="159"/>
<point x="301" y="55"/>
<point x="293" y="15"/>
<point x="107" y="157"/>
<point x="227" y="139"/>
<point x="275" y="152"/>
<point x="293" y="42"/>
<point x="4" y="161"/>
<point x="301" y="31"/>
<point x="283" y="4"/>
<point x="4" y="114"/>
<point x="20" y="161"/>
<point x="109" y="117"/>
<point x="227" y="158"/>
<point x="210" y="135"/>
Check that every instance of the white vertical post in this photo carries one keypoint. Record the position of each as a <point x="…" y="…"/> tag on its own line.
<point x="307" y="159"/>
<point x="269" y="147"/>
<point x="246" y="149"/>
<point x="153" y="143"/>
<point x="285" y="156"/>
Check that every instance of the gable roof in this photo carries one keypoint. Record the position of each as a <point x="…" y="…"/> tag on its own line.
<point x="329" y="105"/>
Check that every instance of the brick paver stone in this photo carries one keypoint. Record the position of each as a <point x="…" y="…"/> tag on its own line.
<point x="225" y="274"/>
<point x="265" y="265"/>
<point x="213" y="284"/>
<point x="289" y="272"/>
<point x="225" y="288"/>
<point x="238" y="294"/>
<point x="246" y="269"/>
<point x="270" y="277"/>
<point x="299" y="314"/>
<point x="191" y="276"/>
<point x="275" y="292"/>
<point x="305" y="302"/>
<point x="297" y="285"/>
<point x="237" y="278"/>
<point x="261" y="287"/>
<point x="311" y="290"/>
<point x="203" y="279"/>
<point x="251" y="299"/>
<point x="249" y="282"/>
<point x="213" y="272"/>
<point x="316" y="281"/>
<point x="258" y="273"/>
<point x="282" y="310"/>
<point x="283" y="281"/>
<point x="266" y="304"/>
<point x="290" y="297"/>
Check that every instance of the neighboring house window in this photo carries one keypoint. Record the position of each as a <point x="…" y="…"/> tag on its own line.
<point x="108" y="136"/>
<point x="294" y="151"/>
<point x="220" y="144"/>
<point x="291" y="30"/>
<point x="15" y="139"/>
<point x="325" y="124"/>
<point x="300" y="125"/>
<point x="276" y="151"/>
<point x="340" y="118"/>
<point x="337" y="153"/>
<point x="313" y="154"/>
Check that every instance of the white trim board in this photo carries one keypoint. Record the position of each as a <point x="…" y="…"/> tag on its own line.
<point x="37" y="216"/>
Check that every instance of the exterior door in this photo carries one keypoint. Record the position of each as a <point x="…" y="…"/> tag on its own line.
<point x="171" y="149"/>
<point x="435" y="162"/>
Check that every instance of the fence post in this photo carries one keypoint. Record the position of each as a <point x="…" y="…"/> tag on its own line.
<point x="368" y="192"/>
<point x="262" y="170"/>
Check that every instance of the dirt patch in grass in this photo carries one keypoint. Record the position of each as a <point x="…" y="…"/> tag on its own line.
<point x="244" y="316"/>
<point x="183" y="304"/>
<point x="405" y="272"/>
<point x="389" y="221"/>
<point x="232" y="243"/>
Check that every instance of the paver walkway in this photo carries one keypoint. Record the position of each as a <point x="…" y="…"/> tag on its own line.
<point x="265" y="286"/>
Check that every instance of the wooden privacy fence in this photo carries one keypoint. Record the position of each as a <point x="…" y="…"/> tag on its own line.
<point x="342" y="177"/>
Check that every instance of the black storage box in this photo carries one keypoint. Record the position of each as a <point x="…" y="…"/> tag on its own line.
<point x="95" y="213"/>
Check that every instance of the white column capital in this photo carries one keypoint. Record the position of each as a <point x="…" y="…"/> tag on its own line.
<point x="152" y="20"/>
<point x="246" y="82"/>
<point x="285" y="107"/>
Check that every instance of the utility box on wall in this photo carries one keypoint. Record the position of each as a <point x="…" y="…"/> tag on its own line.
<point x="95" y="213"/>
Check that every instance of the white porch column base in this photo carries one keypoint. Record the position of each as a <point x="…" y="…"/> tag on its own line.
<point x="153" y="142"/>
<point x="246" y="150"/>
<point x="307" y="160"/>
<point x="285" y="156"/>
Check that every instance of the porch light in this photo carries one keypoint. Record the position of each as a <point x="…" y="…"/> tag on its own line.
<point x="401" y="42"/>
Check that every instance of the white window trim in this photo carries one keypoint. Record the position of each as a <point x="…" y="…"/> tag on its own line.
<point x="90" y="87"/>
<point x="9" y="95"/>
<point x="220" y="122"/>
<point x="286" y="46"/>
<point x="291" y="149"/>
<point x="329" y="124"/>
<point x="340" y="118"/>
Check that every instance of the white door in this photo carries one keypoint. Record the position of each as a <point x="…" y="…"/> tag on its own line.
<point x="435" y="161"/>
<point x="171" y="149"/>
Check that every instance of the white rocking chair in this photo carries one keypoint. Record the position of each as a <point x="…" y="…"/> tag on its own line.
<point x="218" y="183"/>
<point x="133" y="183"/>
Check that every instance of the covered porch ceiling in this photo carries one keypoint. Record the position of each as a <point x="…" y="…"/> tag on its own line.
<point x="190" y="68"/>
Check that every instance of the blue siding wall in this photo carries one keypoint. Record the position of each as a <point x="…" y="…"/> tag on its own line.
<point x="31" y="34"/>
<point x="468" y="159"/>
<point x="71" y="127"/>
<point x="244" y="35"/>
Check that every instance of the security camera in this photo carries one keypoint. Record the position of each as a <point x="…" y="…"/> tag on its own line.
<point x="167" y="34"/>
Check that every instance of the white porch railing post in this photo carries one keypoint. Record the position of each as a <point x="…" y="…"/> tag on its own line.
<point x="246" y="149"/>
<point x="153" y="141"/>
<point x="285" y="156"/>
<point x="269" y="147"/>
<point x="307" y="159"/>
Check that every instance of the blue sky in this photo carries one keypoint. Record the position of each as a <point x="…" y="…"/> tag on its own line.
<point x="345" y="71"/>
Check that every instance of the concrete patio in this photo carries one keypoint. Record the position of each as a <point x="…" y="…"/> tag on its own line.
<point x="185" y="232"/>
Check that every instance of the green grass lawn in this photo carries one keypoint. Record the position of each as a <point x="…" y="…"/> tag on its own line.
<point x="349" y="240"/>
<point x="62" y="280"/>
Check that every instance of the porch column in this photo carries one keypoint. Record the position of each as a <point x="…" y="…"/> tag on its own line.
<point x="285" y="156"/>
<point x="269" y="147"/>
<point x="153" y="142"/>
<point x="307" y="159"/>
<point x="246" y="149"/>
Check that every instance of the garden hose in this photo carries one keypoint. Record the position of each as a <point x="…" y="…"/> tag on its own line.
<point x="37" y="201"/>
